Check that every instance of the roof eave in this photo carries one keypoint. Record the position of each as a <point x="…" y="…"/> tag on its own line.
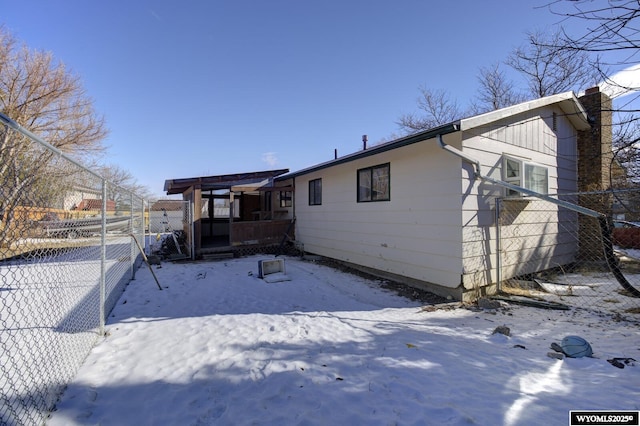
<point x="388" y="146"/>
<point x="178" y="186"/>
<point x="568" y="102"/>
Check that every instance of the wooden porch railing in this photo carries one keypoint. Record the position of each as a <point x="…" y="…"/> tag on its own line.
<point x="259" y="232"/>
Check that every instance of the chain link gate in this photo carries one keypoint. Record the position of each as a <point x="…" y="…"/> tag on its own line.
<point x="66" y="254"/>
<point x="557" y="254"/>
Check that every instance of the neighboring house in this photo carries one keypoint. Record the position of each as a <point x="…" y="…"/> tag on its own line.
<point x="418" y="210"/>
<point x="95" y="204"/>
<point x="81" y="197"/>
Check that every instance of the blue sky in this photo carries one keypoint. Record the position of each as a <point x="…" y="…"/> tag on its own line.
<point x="208" y="87"/>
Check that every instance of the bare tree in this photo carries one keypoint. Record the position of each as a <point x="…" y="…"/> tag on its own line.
<point x="120" y="179"/>
<point x="611" y="26"/>
<point x="39" y="94"/>
<point x="612" y="31"/>
<point x="544" y="69"/>
<point x="626" y="142"/>
<point x="496" y="91"/>
<point x="548" y="70"/>
<point x="437" y="108"/>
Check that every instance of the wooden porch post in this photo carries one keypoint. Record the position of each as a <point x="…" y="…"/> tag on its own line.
<point x="231" y="208"/>
<point x="271" y="204"/>
<point x="194" y="193"/>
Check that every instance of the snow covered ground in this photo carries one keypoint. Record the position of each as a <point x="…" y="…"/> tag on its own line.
<point x="49" y="317"/>
<point x="220" y="346"/>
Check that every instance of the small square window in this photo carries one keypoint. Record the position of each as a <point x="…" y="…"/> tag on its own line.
<point x="374" y="183"/>
<point x="286" y="199"/>
<point x="315" y="192"/>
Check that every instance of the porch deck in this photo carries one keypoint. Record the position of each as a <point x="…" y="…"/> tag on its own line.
<point x="248" y="236"/>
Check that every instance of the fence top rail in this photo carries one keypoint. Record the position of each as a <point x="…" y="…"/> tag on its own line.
<point x="545" y="197"/>
<point x="18" y="128"/>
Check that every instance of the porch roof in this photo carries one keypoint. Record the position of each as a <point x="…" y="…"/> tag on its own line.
<point x="212" y="183"/>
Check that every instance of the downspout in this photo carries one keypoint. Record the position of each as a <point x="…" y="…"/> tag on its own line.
<point x="293" y="183"/>
<point x="476" y="174"/>
<point x="498" y="246"/>
<point x="476" y="164"/>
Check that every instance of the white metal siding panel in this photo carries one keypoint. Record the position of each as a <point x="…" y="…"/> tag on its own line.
<point x="519" y="258"/>
<point x="529" y="136"/>
<point x="567" y="156"/>
<point x="417" y="234"/>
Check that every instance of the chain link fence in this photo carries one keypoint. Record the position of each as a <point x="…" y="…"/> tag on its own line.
<point x="67" y="251"/>
<point x="566" y="258"/>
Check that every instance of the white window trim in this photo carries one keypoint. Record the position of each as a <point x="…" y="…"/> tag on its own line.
<point x="521" y="180"/>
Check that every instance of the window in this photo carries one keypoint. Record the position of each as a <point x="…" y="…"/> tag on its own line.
<point x="536" y="178"/>
<point x="217" y="205"/>
<point x="315" y="192"/>
<point x="285" y="199"/>
<point x="204" y="211"/>
<point x="222" y="206"/>
<point x="373" y="183"/>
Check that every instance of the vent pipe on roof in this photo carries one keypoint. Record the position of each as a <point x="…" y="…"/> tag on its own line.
<point x="335" y="153"/>
<point x="364" y="142"/>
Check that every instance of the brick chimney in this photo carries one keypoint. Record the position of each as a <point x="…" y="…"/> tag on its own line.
<point x="594" y="145"/>
<point x="594" y="162"/>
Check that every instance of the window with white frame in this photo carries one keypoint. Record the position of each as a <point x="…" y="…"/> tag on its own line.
<point x="527" y="175"/>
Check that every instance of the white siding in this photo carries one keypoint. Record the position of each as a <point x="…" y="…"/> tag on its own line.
<point x="529" y="136"/>
<point x="440" y="224"/>
<point x="416" y="234"/>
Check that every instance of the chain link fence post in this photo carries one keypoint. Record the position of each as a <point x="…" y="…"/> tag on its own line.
<point x="498" y="202"/>
<point x="103" y="262"/>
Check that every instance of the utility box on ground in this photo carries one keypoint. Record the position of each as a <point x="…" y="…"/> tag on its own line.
<point x="271" y="266"/>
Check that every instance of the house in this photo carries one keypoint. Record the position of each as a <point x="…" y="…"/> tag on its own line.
<point x="235" y="210"/>
<point x="421" y="209"/>
<point x="95" y="204"/>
